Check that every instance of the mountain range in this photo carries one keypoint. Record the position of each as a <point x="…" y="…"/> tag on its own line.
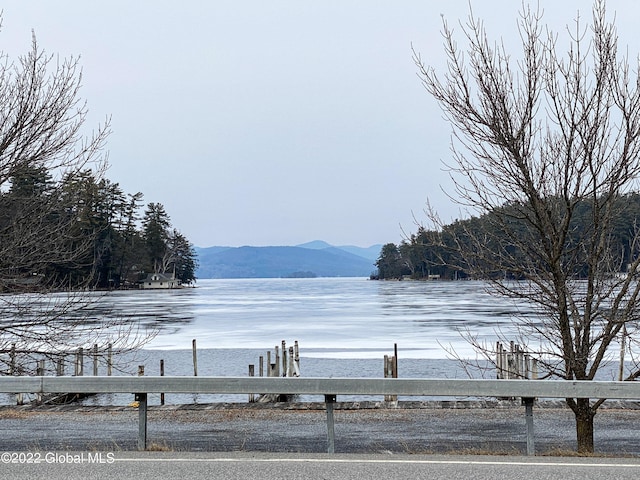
<point x="313" y="259"/>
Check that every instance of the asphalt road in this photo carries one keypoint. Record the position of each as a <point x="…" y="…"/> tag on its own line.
<point x="265" y="466"/>
<point x="288" y="442"/>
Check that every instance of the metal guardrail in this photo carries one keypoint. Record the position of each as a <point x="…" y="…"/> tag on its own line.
<point x="324" y="386"/>
<point x="327" y="387"/>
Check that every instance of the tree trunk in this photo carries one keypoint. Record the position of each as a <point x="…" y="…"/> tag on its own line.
<point x="584" y="425"/>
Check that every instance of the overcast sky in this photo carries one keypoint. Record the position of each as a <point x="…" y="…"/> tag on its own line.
<point x="273" y="122"/>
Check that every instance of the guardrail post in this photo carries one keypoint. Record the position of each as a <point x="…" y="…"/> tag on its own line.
<point x="528" y="405"/>
<point x="162" y="375"/>
<point x="252" y="396"/>
<point x="141" y="398"/>
<point x="329" y="400"/>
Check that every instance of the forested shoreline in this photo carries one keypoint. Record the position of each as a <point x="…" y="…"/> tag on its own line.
<point x="431" y="253"/>
<point x="84" y="232"/>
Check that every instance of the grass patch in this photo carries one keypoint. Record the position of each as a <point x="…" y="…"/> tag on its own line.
<point x="159" y="447"/>
<point x="568" y="452"/>
<point x="13" y="414"/>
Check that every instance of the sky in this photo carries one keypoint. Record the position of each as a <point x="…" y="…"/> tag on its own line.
<point x="274" y="122"/>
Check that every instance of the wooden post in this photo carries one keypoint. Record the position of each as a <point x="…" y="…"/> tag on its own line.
<point x="13" y="370"/>
<point x="284" y="358"/>
<point x="12" y="360"/>
<point x="80" y="362"/>
<point x="296" y="360"/>
<point x="622" y="349"/>
<point x="252" y="397"/>
<point x="261" y="366"/>
<point x="387" y="398"/>
<point x="60" y="366"/>
<point x="269" y="365"/>
<point x="109" y="359"/>
<point x="162" y="375"/>
<point x="504" y="363"/>
<point x="40" y="373"/>
<point x="95" y="359"/>
<point x="329" y="400"/>
<point x="276" y="372"/>
<point x="528" y="405"/>
<point x="291" y="372"/>
<point x="195" y="358"/>
<point x="395" y="360"/>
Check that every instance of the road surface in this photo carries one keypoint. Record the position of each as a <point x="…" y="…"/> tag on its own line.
<point x="265" y="466"/>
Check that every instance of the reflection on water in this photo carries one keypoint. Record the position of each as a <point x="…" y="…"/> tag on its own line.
<point x="344" y="326"/>
<point x="345" y="317"/>
<point x="169" y="310"/>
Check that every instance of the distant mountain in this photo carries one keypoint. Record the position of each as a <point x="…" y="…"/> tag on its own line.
<point x="307" y="260"/>
<point x="370" y="253"/>
<point x="210" y="251"/>
<point x="315" y="245"/>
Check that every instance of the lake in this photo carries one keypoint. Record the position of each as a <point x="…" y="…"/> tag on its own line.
<point x="344" y="326"/>
<point x="330" y="317"/>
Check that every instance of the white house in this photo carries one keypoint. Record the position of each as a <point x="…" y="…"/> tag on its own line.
<point x="160" y="281"/>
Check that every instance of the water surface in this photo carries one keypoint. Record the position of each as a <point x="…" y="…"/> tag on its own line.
<point x="346" y="317"/>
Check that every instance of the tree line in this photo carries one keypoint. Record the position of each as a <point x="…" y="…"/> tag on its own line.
<point x="431" y="253"/>
<point x="83" y="231"/>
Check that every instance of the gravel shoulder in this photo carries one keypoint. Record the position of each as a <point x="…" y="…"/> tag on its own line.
<point x="365" y="427"/>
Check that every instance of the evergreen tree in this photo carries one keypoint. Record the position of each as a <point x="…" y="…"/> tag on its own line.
<point x="183" y="257"/>
<point x="156" y="225"/>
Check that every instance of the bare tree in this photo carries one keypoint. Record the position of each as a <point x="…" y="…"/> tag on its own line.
<point x="546" y="147"/>
<point x="41" y="143"/>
